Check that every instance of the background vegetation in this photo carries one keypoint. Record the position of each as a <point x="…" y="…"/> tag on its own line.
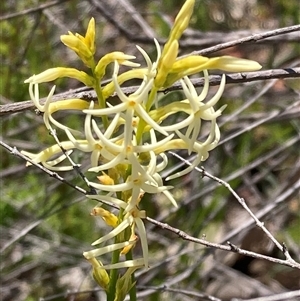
<point x="45" y="225"/>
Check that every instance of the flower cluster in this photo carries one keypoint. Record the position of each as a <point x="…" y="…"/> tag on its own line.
<point x="128" y="142"/>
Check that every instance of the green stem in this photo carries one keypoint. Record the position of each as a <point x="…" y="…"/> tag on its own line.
<point x="132" y="292"/>
<point x="113" y="275"/>
<point x="151" y="98"/>
<point x="101" y="102"/>
<point x="142" y="123"/>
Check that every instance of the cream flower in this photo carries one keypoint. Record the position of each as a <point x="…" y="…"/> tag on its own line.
<point x="58" y="72"/>
<point x="132" y="104"/>
<point x="97" y="147"/>
<point x="200" y="110"/>
<point x="46" y="157"/>
<point x="131" y="219"/>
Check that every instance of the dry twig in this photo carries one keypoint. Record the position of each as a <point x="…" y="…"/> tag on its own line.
<point x="230" y="247"/>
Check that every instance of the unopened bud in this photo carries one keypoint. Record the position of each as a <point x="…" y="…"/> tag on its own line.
<point x="107" y="216"/>
<point x="106" y="179"/>
<point x="99" y="273"/>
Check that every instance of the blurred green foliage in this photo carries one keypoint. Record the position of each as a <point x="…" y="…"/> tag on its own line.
<point x="29" y="44"/>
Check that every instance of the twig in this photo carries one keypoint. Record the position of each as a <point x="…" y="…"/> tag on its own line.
<point x="75" y="166"/>
<point x="236" y="78"/>
<point x="288" y="262"/>
<point x="165" y="288"/>
<point x="31" y="10"/>
<point x="277" y="297"/>
<point x="265" y="211"/>
<point x="110" y="17"/>
<point x="185" y="236"/>
<point x="261" y="225"/>
<point x="214" y="80"/>
<point x="252" y="38"/>
<point x="69" y="293"/>
<point x="14" y="151"/>
<point x="136" y="16"/>
<point x="134" y="38"/>
<point x="200" y="40"/>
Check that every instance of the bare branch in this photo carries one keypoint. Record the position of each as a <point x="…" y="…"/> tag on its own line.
<point x="194" y="42"/>
<point x="277" y="297"/>
<point x="214" y="80"/>
<point x="31" y="10"/>
<point x="261" y="225"/>
<point x="109" y="16"/>
<point x="204" y="297"/>
<point x="200" y="40"/>
<point x="288" y="262"/>
<point x="14" y="151"/>
<point x="136" y="16"/>
<point x="253" y="38"/>
<point x="204" y="242"/>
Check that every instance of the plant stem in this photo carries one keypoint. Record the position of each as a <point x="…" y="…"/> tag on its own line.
<point x="113" y="275"/>
<point x="142" y="123"/>
<point x="101" y="102"/>
<point x="132" y="292"/>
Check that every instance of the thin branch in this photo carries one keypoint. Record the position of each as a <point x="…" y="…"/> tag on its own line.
<point x="70" y="293"/>
<point x="103" y="9"/>
<point x="229" y="247"/>
<point x="31" y="10"/>
<point x="192" y="42"/>
<point x="136" y="16"/>
<point x="14" y="151"/>
<point x="214" y="80"/>
<point x="236" y="78"/>
<point x="253" y="38"/>
<point x="278" y="297"/>
<point x="190" y="293"/>
<point x="261" y="225"/>
<point x="200" y="40"/>
<point x="75" y="166"/>
<point x="236" y="174"/>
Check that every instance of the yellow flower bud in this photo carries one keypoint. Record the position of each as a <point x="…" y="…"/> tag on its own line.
<point x="133" y="238"/>
<point x="48" y="153"/>
<point x="106" y="179"/>
<point x="193" y="61"/>
<point x="165" y="64"/>
<point x="58" y="72"/>
<point x="118" y="56"/>
<point x="233" y="64"/>
<point x="90" y="36"/>
<point x="109" y="218"/>
<point x="99" y="274"/>
<point x="181" y="23"/>
<point x="185" y="11"/>
<point x="83" y="46"/>
<point x="101" y="277"/>
<point x="194" y="64"/>
<point x="77" y="44"/>
<point x="68" y="104"/>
